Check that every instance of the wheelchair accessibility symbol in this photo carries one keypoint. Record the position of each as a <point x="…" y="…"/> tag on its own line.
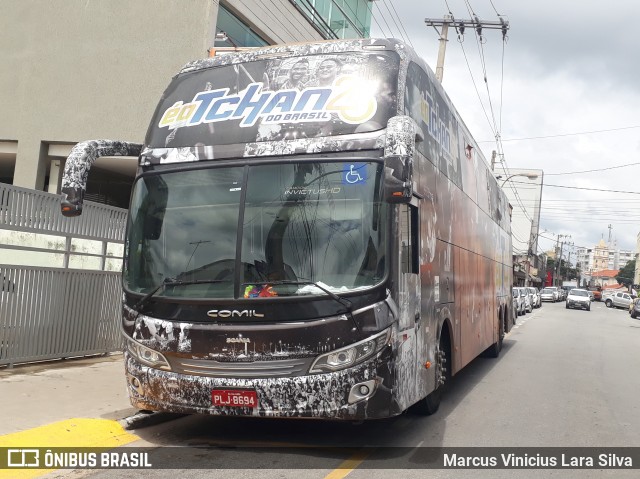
<point x="354" y="173"/>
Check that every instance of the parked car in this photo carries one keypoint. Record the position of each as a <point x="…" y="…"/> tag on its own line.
<point x="548" y="294"/>
<point x="556" y="292"/>
<point x="518" y="302"/>
<point x="618" y="300"/>
<point x="534" y="294"/>
<point x="524" y="294"/>
<point x="532" y="297"/>
<point x="634" y="308"/>
<point x="578" y="298"/>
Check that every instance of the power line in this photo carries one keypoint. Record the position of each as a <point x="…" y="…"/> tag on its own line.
<point x="494" y="8"/>
<point x="396" y="23"/>
<point x="565" y="134"/>
<point x="586" y="189"/>
<point x="370" y="8"/>
<point x="593" y="171"/>
<point x="383" y="18"/>
<point x="401" y="24"/>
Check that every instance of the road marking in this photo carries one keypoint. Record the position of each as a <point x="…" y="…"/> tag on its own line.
<point x="78" y="432"/>
<point x="348" y="466"/>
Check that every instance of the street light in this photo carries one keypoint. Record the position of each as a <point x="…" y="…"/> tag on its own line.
<point x="530" y="251"/>
<point x="531" y="176"/>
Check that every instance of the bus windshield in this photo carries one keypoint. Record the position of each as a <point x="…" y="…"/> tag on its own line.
<point x="257" y="231"/>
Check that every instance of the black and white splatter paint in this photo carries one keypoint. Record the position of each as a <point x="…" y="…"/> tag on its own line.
<point x="80" y="160"/>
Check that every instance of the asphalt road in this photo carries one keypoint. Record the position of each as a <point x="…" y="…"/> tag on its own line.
<point x="565" y="378"/>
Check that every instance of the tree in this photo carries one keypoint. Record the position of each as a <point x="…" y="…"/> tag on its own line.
<point x="626" y="274"/>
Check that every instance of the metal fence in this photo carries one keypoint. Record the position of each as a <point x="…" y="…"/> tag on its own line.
<point x="57" y="312"/>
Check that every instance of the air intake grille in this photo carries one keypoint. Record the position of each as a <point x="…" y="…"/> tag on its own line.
<point x="255" y="369"/>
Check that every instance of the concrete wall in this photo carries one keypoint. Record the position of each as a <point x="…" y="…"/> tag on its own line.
<point x="73" y="70"/>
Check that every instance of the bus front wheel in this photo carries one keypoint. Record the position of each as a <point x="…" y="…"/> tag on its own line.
<point x="431" y="403"/>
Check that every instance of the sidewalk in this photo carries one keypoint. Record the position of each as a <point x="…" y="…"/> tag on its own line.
<point x="43" y="393"/>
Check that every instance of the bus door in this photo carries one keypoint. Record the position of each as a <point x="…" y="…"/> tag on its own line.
<point x="409" y="304"/>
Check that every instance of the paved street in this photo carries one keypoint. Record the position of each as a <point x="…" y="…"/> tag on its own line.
<point x="564" y="378"/>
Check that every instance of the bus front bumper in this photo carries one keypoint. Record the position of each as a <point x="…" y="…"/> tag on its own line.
<point x="355" y="393"/>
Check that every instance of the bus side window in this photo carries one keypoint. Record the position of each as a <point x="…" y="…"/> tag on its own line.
<point x="409" y="239"/>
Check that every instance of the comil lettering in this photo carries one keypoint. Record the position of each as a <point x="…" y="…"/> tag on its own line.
<point x="234" y="313"/>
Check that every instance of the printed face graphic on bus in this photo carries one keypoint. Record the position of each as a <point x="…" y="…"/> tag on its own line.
<point x="328" y="71"/>
<point x="297" y="75"/>
<point x="349" y="99"/>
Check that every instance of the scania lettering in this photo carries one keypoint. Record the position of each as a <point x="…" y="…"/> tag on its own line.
<point x="330" y="251"/>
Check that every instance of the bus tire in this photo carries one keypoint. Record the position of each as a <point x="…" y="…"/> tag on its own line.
<point x="493" y="351"/>
<point x="430" y="404"/>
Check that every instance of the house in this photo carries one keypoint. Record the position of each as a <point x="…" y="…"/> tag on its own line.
<point x="605" y="278"/>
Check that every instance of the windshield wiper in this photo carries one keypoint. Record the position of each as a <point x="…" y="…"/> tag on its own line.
<point x="172" y="282"/>
<point x="343" y="301"/>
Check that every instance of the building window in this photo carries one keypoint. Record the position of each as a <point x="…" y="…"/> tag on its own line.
<point x="338" y="18"/>
<point x="233" y="32"/>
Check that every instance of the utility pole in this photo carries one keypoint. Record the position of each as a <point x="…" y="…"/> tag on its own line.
<point x="559" y="265"/>
<point x="569" y="258"/>
<point x="460" y="26"/>
<point x="556" y="266"/>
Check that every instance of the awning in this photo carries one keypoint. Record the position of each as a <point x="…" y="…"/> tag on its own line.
<point x="534" y="279"/>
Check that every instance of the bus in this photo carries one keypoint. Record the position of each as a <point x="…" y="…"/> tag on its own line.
<point x="313" y="232"/>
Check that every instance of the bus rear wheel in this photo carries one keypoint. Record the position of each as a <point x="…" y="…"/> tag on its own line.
<point x="493" y="351"/>
<point x="431" y="403"/>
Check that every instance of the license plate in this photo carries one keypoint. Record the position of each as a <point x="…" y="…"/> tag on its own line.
<point x="234" y="398"/>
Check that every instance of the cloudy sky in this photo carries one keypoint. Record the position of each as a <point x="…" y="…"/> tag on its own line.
<point x="565" y="92"/>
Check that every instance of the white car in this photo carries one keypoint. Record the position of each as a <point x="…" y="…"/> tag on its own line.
<point x="578" y="298"/>
<point x="548" y="294"/>
<point x="534" y="294"/>
<point x="518" y="303"/>
<point x="524" y="294"/>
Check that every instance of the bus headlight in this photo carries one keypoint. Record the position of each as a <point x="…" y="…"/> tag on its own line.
<point x="350" y="355"/>
<point x="148" y="356"/>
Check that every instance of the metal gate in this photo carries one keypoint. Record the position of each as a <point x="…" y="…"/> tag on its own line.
<point x="64" y="298"/>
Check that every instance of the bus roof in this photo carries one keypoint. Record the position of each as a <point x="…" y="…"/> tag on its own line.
<point x="241" y="55"/>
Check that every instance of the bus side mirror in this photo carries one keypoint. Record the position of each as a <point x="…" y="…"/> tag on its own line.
<point x="399" y="149"/>
<point x="79" y="162"/>
<point x="155" y="206"/>
<point x="152" y="227"/>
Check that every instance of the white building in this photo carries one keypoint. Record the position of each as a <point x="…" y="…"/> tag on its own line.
<point x="602" y="257"/>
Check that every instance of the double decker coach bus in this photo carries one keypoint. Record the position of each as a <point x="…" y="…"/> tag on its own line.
<point x="313" y="232"/>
